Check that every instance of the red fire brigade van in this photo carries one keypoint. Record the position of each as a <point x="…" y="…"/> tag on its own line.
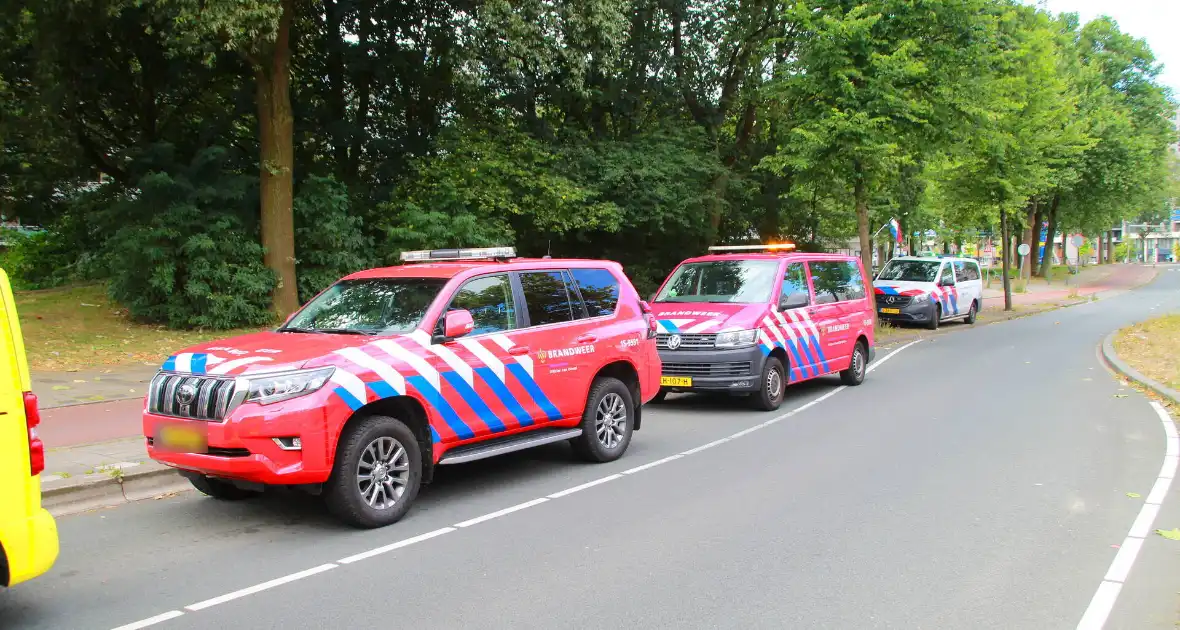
<point x="752" y="319"/>
<point x="457" y="356"/>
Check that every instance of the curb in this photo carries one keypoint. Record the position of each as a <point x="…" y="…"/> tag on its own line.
<point x="1118" y="365"/>
<point x="111" y="492"/>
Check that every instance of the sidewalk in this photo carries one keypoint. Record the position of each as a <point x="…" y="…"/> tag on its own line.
<point x="1091" y="281"/>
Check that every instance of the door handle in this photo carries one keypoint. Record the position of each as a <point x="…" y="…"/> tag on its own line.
<point x="586" y="339"/>
<point x="517" y="351"/>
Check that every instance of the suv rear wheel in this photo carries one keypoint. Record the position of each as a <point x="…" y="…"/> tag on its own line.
<point x="607" y="422"/>
<point x="773" y="382"/>
<point x="377" y="473"/>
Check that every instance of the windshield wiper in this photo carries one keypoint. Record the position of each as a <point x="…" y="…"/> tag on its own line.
<point x="326" y="331"/>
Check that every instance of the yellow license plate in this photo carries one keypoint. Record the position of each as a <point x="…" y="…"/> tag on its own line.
<point x="676" y="381"/>
<point x="891" y="311"/>
<point x="182" y="439"/>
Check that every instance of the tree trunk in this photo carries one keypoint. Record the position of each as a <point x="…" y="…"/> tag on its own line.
<point x="1029" y="236"/>
<point x="1034" y="239"/>
<point x="1004" y="261"/>
<point x="276" y="135"/>
<point x="862" y="224"/>
<point x="1110" y="246"/>
<point x="1050" y="237"/>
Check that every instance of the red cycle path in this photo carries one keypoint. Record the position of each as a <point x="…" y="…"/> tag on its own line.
<point x="87" y="424"/>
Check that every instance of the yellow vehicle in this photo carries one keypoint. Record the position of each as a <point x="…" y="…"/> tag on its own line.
<point x="28" y="534"/>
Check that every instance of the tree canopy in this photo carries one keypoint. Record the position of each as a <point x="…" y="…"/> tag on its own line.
<point x="195" y="151"/>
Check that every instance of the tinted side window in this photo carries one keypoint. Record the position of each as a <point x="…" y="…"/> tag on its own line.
<point x="489" y="299"/>
<point x="961" y="274"/>
<point x="828" y="279"/>
<point x="547" y="297"/>
<point x="600" y="290"/>
<point x="795" y="293"/>
<point x="946" y="274"/>
<point x="854" y="288"/>
<point x="973" y="271"/>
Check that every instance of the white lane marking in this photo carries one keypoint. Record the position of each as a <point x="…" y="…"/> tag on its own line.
<point x="885" y="358"/>
<point x="1100" y="606"/>
<point x="648" y="465"/>
<point x="257" y="588"/>
<point x="497" y="514"/>
<point x="504" y="343"/>
<point x="1108" y="591"/>
<point x="1159" y="490"/>
<point x="704" y="447"/>
<point x="397" y="545"/>
<point x="151" y="621"/>
<point x="589" y="484"/>
<point x="1124" y="560"/>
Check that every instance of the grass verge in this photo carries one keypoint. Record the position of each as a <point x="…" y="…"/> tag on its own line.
<point x="1153" y="348"/>
<point x="78" y="327"/>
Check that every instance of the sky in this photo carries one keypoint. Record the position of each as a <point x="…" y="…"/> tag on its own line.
<point x="1153" y="20"/>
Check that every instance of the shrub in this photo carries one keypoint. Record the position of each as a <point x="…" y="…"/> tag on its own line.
<point x="329" y="243"/>
<point x="189" y="255"/>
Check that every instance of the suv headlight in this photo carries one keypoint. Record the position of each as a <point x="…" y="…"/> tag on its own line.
<point x="736" y="339"/>
<point x="266" y="389"/>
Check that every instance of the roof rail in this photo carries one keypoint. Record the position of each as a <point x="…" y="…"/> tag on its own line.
<point x="474" y="253"/>
<point x="773" y="247"/>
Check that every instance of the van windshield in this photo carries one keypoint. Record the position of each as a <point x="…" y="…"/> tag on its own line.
<point x="910" y="270"/>
<point x="742" y="281"/>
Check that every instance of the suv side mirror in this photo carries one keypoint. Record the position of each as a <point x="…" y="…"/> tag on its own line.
<point x="794" y="300"/>
<point x="458" y="323"/>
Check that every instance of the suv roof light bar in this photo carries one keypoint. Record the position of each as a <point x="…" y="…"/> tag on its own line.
<point x="774" y="247"/>
<point x="474" y="253"/>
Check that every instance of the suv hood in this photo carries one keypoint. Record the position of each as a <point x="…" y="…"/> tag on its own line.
<point x="267" y="351"/>
<point x="902" y="287"/>
<point x="706" y="317"/>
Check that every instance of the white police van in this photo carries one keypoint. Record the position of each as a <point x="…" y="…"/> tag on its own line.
<point x="929" y="291"/>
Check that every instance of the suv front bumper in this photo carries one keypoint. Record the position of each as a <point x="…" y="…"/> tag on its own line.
<point x="738" y="370"/>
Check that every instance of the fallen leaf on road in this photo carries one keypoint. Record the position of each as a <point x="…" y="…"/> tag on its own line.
<point x="78" y="380"/>
<point x="60" y="387"/>
<point x="1087" y="379"/>
<point x="1120" y="395"/>
<point x="1172" y="534"/>
<point x="1134" y="495"/>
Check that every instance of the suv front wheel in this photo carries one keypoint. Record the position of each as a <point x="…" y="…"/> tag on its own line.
<point x="377" y="473"/>
<point x="607" y="422"/>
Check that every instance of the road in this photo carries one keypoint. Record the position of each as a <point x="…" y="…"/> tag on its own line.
<point x="977" y="479"/>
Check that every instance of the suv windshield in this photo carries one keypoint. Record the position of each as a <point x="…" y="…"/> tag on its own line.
<point x="376" y="306"/>
<point x="745" y="281"/>
<point x="910" y="270"/>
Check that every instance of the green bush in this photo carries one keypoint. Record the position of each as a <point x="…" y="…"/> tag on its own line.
<point x="329" y="242"/>
<point x="189" y="255"/>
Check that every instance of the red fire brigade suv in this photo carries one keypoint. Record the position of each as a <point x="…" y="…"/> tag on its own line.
<point x="461" y="355"/>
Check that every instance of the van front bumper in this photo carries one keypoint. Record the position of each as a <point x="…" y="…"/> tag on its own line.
<point x="920" y="312"/>
<point x="737" y="370"/>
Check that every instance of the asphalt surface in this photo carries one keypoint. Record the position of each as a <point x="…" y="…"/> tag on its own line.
<point x="977" y="479"/>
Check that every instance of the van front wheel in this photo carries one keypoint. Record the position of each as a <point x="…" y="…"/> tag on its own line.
<point x="772" y="383"/>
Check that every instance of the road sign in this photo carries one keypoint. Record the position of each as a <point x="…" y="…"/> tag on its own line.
<point x="1077" y="240"/>
<point x="1024" y="249"/>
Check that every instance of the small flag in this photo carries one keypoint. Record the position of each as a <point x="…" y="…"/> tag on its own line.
<point x="895" y="229"/>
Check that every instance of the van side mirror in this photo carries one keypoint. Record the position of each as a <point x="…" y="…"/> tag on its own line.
<point x="794" y="300"/>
